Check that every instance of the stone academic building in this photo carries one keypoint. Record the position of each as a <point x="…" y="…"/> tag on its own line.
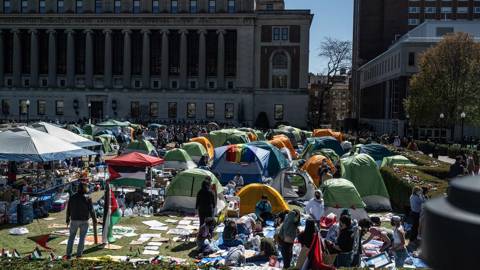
<point x="213" y="60"/>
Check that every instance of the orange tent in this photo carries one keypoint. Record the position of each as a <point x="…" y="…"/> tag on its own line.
<point x="328" y="132"/>
<point x="206" y="143"/>
<point x="252" y="136"/>
<point x="286" y="141"/>
<point x="313" y="164"/>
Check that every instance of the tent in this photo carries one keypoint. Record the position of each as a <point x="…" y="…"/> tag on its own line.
<point x="109" y="143"/>
<point x="315" y="143"/>
<point x="329" y="153"/>
<point x="296" y="132"/>
<point x="28" y="144"/>
<point x="64" y="134"/>
<point x="75" y="129"/>
<point x="294" y="139"/>
<point x="250" y="195"/>
<point x="113" y="123"/>
<point x="397" y="160"/>
<point x="142" y="146"/>
<point x="249" y="161"/>
<point x="227" y="136"/>
<point x="328" y="132"/>
<point x="195" y="150"/>
<point x="206" y="143"/>
<point x="276" y="161"/>
<point x="313" y="164"/>
<point x="339" y="194"/>
<point x="89" y="129"/>
<point x="178" y="159"/>
<point x="294" y="185"/>
<point x="286" y="141"/>
<point x="129" y="169"/>
<point x="182" y="192"/>
<point x="156" y="126"/>
<point x="362" y="171"/>
<point x="259" y="135"/>
<point x="375" y="150"/>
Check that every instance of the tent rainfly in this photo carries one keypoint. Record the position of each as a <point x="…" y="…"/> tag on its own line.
<point x="64" y="134"/>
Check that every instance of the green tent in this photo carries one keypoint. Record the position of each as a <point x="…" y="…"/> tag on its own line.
<point x="86" y="136"/>
<point x="75" y="129"/>
<point x="397" y="160"/>
<point x="227" y="136"/>
<point x="109" y="142"/>
<point x="296" y="132"/>
<point x="363" y="172"/>
<point x="258" y="133"/>
<point x="178" y="159"/>
<point x="182" y="192"/>
<point x="88" y="129"/>
<point x="339" y="194"/>
<point x="142" y="146"/>
<point x="113" y="123"/>
<point x="195" y="150"/>
<point x="329" y="153"/>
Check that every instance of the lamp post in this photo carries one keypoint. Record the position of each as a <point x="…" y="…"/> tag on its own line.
<point x="442" y="116"/>
<point x="27" y="102"/>
<point x="462" y="116"/>
<point x="89" y="113"/>
<point x="407" y="124"/>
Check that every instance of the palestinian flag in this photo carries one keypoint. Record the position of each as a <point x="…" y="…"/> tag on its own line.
<point x="111" y="215"/>
<point x="42" y="240"/>
<point x="127" y="176"/>
<point x="36" y="254"/>
<point x="15" y="253"/>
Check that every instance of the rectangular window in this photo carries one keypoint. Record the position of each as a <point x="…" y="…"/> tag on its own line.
<point x="280" y="33"/>
<point x="41" y="6"/>
<point x="191" y="110"/>
<point x="231" y="6"/>
<point x="193" y="6"/>
<point x="413" y="9"/>
<point x="7" y="8"/>
<point x="24" y="6"/>
<point x="446" y="10"/>
<point x="413" y="21"/>
<point x="285" y="34"/>
<point x="276" y="33"/>
<point x="79" y="6"/>
<point x="174" y="6"/>
<point x="269" y="7"/>
<point x="210" y="110"/>
<point x="136" y="6"/>
<point x="430" y="10"/>
<point x="5" y="107"/>
<point x="212" y="6"/>
<point x="117" y="7"/>
<point x="153" y="109"/>
<point x="476" y="10"/>
<point x="172" y="110"/>
<point x="41" y="107"/>
<point x="229" y="110"/>
<point x="60" y="8"/>
<point x="23" y="107"/>
<point x="98" y="6"/>
<point x="155" y="6"/>
<point x="278" y="112"/>
<point x="411" y="59"/>
<point x="462" y="10"/>
<point x="134" y="109"/>
<point x="59" y="107"/>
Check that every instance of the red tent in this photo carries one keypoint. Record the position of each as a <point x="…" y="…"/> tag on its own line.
<point x="135" y="159"/>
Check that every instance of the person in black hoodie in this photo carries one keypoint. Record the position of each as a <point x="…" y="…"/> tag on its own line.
<point x="206" y="202"/>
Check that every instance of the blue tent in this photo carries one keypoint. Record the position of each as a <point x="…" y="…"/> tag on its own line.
<point x="276" y="162"/>
<point x="375" y="150"/>
<point x="249" y="161"/>
<point x="318" y="143"/>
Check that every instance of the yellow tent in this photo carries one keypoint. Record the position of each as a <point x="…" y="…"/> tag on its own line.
<point x="313" y="164"/>
<point x="251" y="194"/>
<point x="206" y="143"/>
<point x="286" y="141"/>
<point x="328" y="132"/>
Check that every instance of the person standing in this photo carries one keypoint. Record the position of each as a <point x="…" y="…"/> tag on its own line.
<point x="398" y="247"/>
<point x="417" y="199"/>
<point x="315" y="207"/>
<point x="206" y="202"/>
<point x="79" y="211"/>
<point x="305" y="238"/>
<point x="286" y="236"/>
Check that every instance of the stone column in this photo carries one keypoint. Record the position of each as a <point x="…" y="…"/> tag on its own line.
<point x="164" y="71"/>
<point x="146" y="59"/>
<point x="221" y="59"/>
<point x="70" y="58"/>
<point x="17" y="58"/>
<point x="183" y="59"/>
<point x="107" y="75"/>
<point x="127" y="55"/>
<point x="88" y="58"/>
<point x="202" y="59"/>
<point x="2" y="71"/>
<point x="52" y="58"/>
<point x="33" y="58"/>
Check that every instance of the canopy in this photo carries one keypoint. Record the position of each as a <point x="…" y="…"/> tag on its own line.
<point x="142" y="146"/>
<point x="397" y="160"/>
<point x="206" y="143"/>
<point x="130" y="169"/>
<point x="227" y="136"/>
<point x="64" y="134"/>
<point x="182" y="192"/>
<point x="252" y="194"/>
<point x="315" y="143"/>
<point x="362" y="171"/>
<point x="28" y="144"/>
<point x="135" y="159"/>
<point x="286" y="141"/>
<point x="313" y="164"/>
<point x="276" y="161"/>
<point x="113" y="123"/>
<point x="328" y="132"/>
<point x="339" y="194"/>
<point x="249" y="161"/>
<point x="195" y="150"/>
<point x="178" y="159"/>
<point x="375" y="150"/>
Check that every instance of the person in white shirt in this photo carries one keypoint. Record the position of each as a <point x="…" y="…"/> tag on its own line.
<point x="315" y="207"/>
<point x="238" y="180"/>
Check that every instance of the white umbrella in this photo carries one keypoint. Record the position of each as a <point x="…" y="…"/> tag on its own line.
<point x="64" y="134"/>
<point x="28" y="144"/>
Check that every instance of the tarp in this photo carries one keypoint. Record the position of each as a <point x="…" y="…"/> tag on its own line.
<point x="276" y="161"/>
<point x="252" y="194"/>
<point x="227" y="136"/>
<point x="375" y="150"/>
<point x="142" y="146"/>
<point x="328" y="132"/>
<point x="397" y="160"/>
<point x="178" y="159"/>
<point x="362" y="171"/>
<point x="206" y="143"/>
<point x="315" y="143"/>
<point x="64" y="134"/>
<point x="339" y="194"/>
<point x="286" y="141"/>
<point x="28" y="144"/>
<point x="182" y="192"/>
<point x="294" y="185"/>
<point x="135" y="159"/>
<point x="113" y="123"/>
<point x="249" y="161"/>
<point x="195" y="150"/>
<point x="313" y="164"/>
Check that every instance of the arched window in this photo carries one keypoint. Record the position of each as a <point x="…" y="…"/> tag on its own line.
<point x="280" y="70"/>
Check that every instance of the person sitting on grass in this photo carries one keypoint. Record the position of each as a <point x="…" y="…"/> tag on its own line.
<point x="205" y="235"/>
<point x="267" y="250"/>
<point x="230" y="234"/>
<point x="263" y="210"/>
<point x="246" y="224"/>
<point x="375" y="232"/>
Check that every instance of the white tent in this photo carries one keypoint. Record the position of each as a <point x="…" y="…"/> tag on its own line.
<point x="302" y="189"/>
<point x="64" y="134"/>
<point x="28" y="144"/>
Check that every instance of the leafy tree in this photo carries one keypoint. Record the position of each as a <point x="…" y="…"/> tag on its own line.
<point x="447" y="82"/>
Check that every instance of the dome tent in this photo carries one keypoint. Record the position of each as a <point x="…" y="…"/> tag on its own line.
<point x="227" y="136"/>
<point x="362" y="171"/>
<point x="397" y="160"/>
<point x="315" y="143"/>
<point x="195" y="150"/>
<point x="339" y="194"/>
<point x="276" y="161"/>
<point x="178" y="159"/>
<point x="206" y="143"/>
<point x="286" y="141"/>
<point x="181" y="194"/>
<point x="313" y="164"/>
<point x="328" y="133"/>
<point x="251" y="194"/>
<point x="375" y="150"/>
<point x="294" y="185"/>
<point x="142" y="146"/>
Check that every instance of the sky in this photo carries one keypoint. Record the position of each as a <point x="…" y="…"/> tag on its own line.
<point x="332" y="18"/>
